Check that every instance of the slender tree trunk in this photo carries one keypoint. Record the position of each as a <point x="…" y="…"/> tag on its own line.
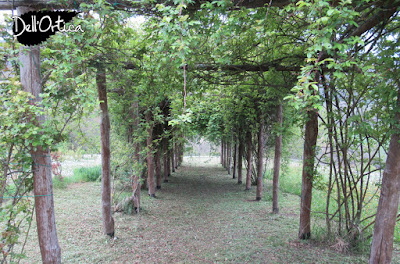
<point x="150" y="161"/>
<point x="165" y="158"/>
<point x="260" y="160"/>
<point x="386" y="216"/>
<point x="42" y="180"/>
<point x="136" y="186"/>
<point x="182" y="152"/>
<point x="169" y="160"/>
<point x="310" y="142"/>
<point x="176" y="155"/>
<point x="234" y="161"/>
<point x="240" y="159"/>
<point x="157" y="157"/>
<point x="222" y="152"/>
<point x="172" y="151"/>
<point x="108" y="221"/>
<point x="136" y="182"/>
<point x="249" y="162"/>
<point x="277" y="162"/>
<point x="229" y="156"/>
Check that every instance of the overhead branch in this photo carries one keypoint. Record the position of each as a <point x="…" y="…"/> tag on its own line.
<point x="243" y="67"/>
<point x="379" y="17"/>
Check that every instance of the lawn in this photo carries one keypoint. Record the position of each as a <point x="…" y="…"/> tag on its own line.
<point x="200" y="216"/>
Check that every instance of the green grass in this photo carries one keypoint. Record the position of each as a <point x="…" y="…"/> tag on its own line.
<point x="201" y="216"/>
<point x="90" y="174"/>
<point x="290" y="182"/>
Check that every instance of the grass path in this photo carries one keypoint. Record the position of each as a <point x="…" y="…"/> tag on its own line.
<point x="200" y="216"/>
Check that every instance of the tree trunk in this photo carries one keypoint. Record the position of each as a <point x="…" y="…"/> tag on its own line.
<point x="136" y="186"/>
<point x="182" y="152"/>
<point x="234" y="161"/>
<point x="150" y="161"/>
<point x="277" y="162"/>
<point x="108" y="221"/>
<point x="176" y="155"/>
<point x="385" y="220"/>
<point x="157" y="158"/>
<point x="42" y="179"/>
<point x="229" y="156"/>
<point x="168" y="160"/>
<point x="222" y="152"/>
<point x="165" y="158"/>
<point x="171" y="153"/>
<point x="240" y="159"/>
<point x="310" y="142"/>
<point x="260" y="160"/>
<point x="249" y="162"/>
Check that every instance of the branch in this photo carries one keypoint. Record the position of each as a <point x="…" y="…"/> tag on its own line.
<point x="243" y="67"/>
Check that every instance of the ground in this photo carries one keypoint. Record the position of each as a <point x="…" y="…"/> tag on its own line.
<point x="200" y="216"/>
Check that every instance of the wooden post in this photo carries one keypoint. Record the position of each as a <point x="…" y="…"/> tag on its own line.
<point x="222" y="152"/>
<point x="171" y="153"/>
<point x="249" y="161"/>
<point x="136" y="185"/>
<point x="108" y="221"/>
<point x="150" y="161"/>
<point x="229" y="156"/>
<point x="310" y="142"/>
<point x="240" y="159"/>
<point x="277" y="162"/>
<point x="260" y="160"/>
<point x="234" y="161"/>
<point x="165" y="158"/>
<point x="157" y="158"/>
<point x="386" y="216"/>
<point x="30" y="77"/>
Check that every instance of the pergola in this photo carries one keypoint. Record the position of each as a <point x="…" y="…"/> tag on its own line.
<point x="31" y="82"/>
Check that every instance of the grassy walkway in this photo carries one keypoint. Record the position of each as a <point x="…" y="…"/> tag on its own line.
<point x="200" y="216"/>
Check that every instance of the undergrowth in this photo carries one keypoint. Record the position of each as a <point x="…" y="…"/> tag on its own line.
<point x="90" y="174"/>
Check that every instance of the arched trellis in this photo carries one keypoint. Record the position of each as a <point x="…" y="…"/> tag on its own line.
<point x="387" y="211"/>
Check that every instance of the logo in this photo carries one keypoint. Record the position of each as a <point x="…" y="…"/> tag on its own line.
<point x="33" y="28"/>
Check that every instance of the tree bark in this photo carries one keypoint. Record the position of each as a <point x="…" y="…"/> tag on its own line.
<point x="240" y="159"/>
<point x="168" y="160"/>
<point x="234" y="161"/>
<point x="136" y="185"/>
<point x="165" y="158"/>
<point x="222" y="152"/>
<point x="249" y="162"/>
<point x="310" y="142"/>
<point x="176" y="153"/>
<point x="171" y="153"/>
<point x="108" y="221"/>
<point x="157" y="157"/>
<point x="229" y="157"/>
<point x="386" y="216"/>
<point x="277" y="162"/>
<point x="150" y="161"/>
<point x="42" y="179"/>
<point x="260" y="160"/>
